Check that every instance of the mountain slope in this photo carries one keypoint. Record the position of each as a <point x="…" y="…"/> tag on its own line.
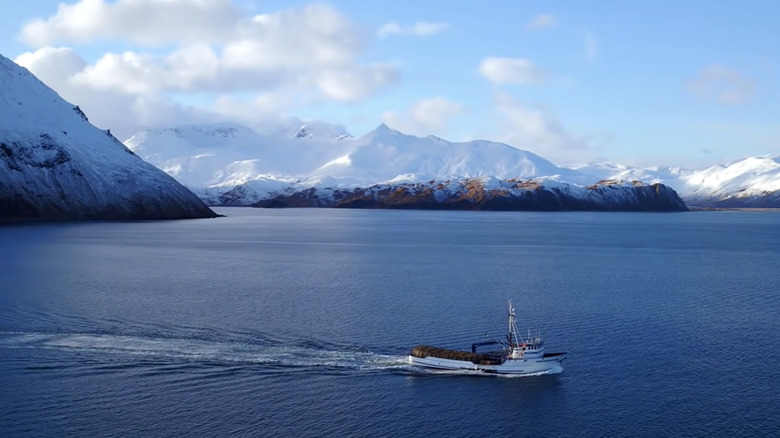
<point x="55" y="165"/>
<point x="749" y="182"/>
<point x="229" y="154"/>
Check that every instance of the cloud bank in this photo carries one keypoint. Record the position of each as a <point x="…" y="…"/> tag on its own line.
<point x="207" y="47"/>
<point x="200" y="61"/>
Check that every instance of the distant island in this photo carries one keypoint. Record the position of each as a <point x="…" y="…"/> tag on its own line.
<point x="489" y="194"/>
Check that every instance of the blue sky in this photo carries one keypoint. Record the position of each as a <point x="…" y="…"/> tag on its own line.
<point x="666" y="83"/>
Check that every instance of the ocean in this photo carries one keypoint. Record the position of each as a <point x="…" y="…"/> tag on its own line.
<point x="298" y="322"/>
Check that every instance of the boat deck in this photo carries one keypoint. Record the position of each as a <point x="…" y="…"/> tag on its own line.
<point x="423" y="351"/>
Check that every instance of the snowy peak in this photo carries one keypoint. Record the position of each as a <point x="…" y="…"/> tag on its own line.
<point x="294" y="128"/>
<point x="752" y="181"/>
<point x="55" y="165"/>
<point x="385" y="134"/>
<point x="748" y="169"/>
<point x="749" y="182"/>
<point x="384" y="130"/>
<point x="381" y="155"/>
<point x="615" y="171"/>
<point x="385" y="154"/>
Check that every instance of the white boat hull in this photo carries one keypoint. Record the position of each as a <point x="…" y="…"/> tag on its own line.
<point x="534" y="366"/>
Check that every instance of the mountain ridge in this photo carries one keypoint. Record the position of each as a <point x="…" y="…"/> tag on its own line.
<point x="266" y="165"/>
<point x="55" y="165"/>
<point x="746" y="182"/>
<point x="381" y="155"/>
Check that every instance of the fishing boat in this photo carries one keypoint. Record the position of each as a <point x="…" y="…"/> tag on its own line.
<point x="518" y="356"/>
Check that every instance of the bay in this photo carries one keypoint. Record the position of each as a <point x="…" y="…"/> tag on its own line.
<point x="298" y="322"/>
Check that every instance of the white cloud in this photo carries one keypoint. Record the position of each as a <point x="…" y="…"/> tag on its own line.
<point x="124" y="113"/>
<point x="536" y="130"/>
<point x="512" y="71"/>
<point x="421" y="28"/>
<point x="542" y="21"/>
<point x="53" y="66"/>
<point x="314" y="35"/>
<point x="195" y="65"/>
<point x="251" y="111"/>
<point x="146" y="22"/>
<point x="297" y="55"/>
<point x="353" y="84"/>
<point x="130" y="73"/>
<point x="425" y="117"/>
<point x="721" y="84"/>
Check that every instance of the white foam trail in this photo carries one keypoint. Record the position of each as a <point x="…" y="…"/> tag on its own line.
<point x="201" y="350"/>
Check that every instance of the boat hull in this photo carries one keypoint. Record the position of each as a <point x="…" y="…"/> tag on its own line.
<point x="549" y="364"/>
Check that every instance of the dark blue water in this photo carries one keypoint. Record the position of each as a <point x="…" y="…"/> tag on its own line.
<point x="298" y="322"/>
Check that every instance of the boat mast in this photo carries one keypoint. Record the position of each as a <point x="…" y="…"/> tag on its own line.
<point x="512" y="335"/>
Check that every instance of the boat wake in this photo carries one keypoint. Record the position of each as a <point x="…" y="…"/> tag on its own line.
<point x="204" y="351"/>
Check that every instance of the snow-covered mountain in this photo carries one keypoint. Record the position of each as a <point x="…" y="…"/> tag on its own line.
<point x="230" y="164"/>
<point x="55" y="165"/>
<point x="234" y="165"/>
<point x="749" y="182"/>
<point x="229" y="154"/>
<point x="388" y="155"/>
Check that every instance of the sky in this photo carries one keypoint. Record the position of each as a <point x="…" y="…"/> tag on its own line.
<point x="655" y="83"/>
